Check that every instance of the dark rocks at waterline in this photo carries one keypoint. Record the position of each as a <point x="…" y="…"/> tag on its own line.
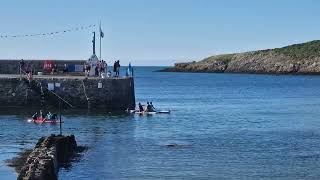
<point x="176" y="145"/>
<point x="49" y="153"/>
<point x="215" y="67"/>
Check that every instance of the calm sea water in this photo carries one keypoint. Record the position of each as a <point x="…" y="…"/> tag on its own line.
<point x="226" y="126"/>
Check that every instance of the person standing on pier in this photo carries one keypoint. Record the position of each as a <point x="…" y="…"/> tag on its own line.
<point x="129" y="71"/>
<point x="104" y="66"/>
<point x="65" y="69"/>
<point x="118" y="68"/>
<point x="115" y="68"/>
<point x="96" y="70"/>
<point x="29" y="77"/>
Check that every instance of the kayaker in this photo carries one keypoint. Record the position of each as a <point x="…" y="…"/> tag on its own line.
<point x="49" y="115"/>
<point x="140" y="108"/>
<point x="152" y="107"/>
<point x="54" y="116"/>
<point x="35" y="116"/>
<point x="149" y="107"/>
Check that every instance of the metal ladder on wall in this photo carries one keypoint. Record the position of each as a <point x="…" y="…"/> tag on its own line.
<point x="85" y="93"/>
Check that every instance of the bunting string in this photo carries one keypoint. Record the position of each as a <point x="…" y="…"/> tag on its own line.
<point x="80" y="28"/>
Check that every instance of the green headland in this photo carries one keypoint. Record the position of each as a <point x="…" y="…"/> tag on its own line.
<point x="294" y="59"/>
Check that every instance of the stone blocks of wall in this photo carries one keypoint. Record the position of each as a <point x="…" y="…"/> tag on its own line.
<point x="44" y="161"/>
<point x="95" y="93"/>
<point x="13" y="66"/>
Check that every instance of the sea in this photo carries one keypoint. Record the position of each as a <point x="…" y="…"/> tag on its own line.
<point x="221" y="126"/>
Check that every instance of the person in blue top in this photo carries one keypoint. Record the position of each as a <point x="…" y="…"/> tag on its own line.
<point x="129" y="72"/>
<point x="49" y="115"/>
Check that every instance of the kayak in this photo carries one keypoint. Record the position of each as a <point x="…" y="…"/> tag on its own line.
<point x="163" y="112"/>
<point x="43" y="120"/>
<point x="146" y="113"/>
<point x="150" y="113"/>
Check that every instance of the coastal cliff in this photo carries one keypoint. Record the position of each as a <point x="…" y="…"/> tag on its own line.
<point x="295" y="59"/>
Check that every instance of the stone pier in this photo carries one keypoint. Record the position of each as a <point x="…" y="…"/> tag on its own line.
<point x="49" y="153"/>
<point x="78" y="91"/>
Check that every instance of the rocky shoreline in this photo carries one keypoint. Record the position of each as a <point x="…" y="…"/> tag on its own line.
<point x="295" y="59"/>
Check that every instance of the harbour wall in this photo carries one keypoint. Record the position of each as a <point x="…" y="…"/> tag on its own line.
<point x="75" y="91"/>
<point x="12" y="66"/>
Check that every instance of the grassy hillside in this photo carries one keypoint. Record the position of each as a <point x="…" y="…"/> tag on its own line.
<point x="296" y="52"/>
<point x="294" y="59"/>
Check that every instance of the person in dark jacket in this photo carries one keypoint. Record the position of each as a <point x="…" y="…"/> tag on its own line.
<point x="149" y="108"/>
<point x="152" y="107"/>
<point x="115" y="67"/>
<point x="35" y="116"/>
<point x="65" y="68"/>
<point x="118" y="68"/>
<point x="96" y="70"/>
<point x="140" y="108"/>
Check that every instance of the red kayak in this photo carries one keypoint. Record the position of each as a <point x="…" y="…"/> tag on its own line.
<point x="40" y="120"/>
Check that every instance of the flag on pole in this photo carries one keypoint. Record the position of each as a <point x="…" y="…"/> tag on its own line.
<point x="101" y="33"/>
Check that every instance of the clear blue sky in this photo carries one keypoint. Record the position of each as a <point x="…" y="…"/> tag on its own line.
<point x="156" y="32"/>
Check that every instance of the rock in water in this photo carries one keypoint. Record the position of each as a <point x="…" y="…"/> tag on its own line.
<point x="49" y="153"/>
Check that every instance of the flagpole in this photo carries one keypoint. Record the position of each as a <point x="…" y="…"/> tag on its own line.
<point x="100" y="38"/>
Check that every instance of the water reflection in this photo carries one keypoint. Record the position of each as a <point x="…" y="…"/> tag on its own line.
<point x="222" y="126"/>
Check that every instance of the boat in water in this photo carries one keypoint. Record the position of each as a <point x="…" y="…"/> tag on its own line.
<point x="149" y="113"/>
<point x="40" y="120"/>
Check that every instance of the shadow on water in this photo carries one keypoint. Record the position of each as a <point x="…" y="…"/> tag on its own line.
<point x="76" y="121"/>
<point x="80" y="151"/>
<point x="18" y="161"/>
<point x="29" y="111"/>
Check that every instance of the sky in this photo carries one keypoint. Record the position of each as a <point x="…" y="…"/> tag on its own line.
<point x="154" y="32"/>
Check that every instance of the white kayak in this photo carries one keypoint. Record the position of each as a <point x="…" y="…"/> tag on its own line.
<point x="150" y="113"/>
<point x="163" y="112"/>
<point x="146" y="113"/>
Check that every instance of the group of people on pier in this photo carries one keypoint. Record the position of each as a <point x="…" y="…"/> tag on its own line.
<point x="116" y="68"/>
<point x="90" y="68"/>
<point x="26" y="67"/>
<point x="101" y="67"/>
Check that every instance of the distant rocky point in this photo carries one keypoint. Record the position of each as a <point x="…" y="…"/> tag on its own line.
<point x="295" y="59"/>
